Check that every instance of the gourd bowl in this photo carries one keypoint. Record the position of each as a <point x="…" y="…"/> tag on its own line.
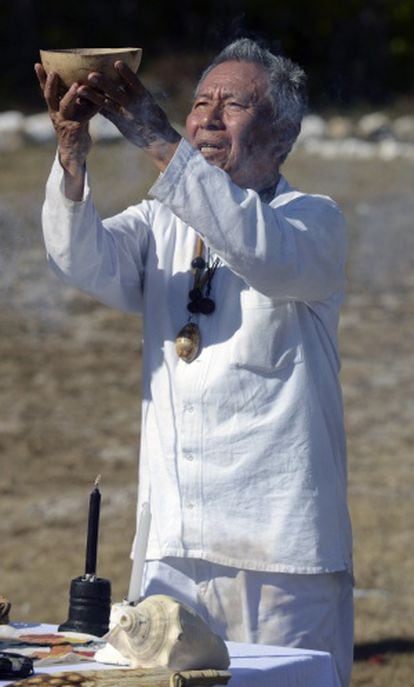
<point x="74" y="64"/>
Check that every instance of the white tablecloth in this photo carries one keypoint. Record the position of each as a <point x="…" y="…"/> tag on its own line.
<point x="252" y="665"/>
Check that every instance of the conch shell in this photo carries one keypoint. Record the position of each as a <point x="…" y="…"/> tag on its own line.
<point x="161" y="632"/>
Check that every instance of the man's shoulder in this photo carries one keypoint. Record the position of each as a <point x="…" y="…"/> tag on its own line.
<point x="313" y="202"/>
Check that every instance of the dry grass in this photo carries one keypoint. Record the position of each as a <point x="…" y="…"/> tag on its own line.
<point x="70" y="400"/>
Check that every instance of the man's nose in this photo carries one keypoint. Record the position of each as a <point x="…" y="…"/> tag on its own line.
<point x="213" y="118"/>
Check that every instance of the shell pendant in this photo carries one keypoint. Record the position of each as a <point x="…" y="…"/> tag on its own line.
<point x="188" y="342"/>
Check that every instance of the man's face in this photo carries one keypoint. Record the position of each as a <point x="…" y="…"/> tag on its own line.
<point x="230" y="123"/>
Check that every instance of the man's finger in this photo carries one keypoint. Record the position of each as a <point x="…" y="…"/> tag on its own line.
<point x="91" y="94"/>
<point x="116" y="91"/>
<point x="129" y="76"/>
<point x="68" y="103"/>
<point x="41" y="75"/>
<point x="52" y="90"/>
<point x="111" y="110"/>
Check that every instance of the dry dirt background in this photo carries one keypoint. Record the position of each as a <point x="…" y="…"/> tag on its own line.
<point x="70" y="388"/>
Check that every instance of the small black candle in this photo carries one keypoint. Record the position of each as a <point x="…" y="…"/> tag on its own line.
<point x="93" y="530"/>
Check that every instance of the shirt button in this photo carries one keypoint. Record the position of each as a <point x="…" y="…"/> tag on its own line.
<point x="190" y="506"/>
<point x="190" y="408"/>
<point x="188" y="456"/>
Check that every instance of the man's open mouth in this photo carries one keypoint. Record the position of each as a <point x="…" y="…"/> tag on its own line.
<point x="209" y="150"/>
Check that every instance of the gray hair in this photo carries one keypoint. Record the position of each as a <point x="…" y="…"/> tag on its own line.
<point x="287" y="86"/>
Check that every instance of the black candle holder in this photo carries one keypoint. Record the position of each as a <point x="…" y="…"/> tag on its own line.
<point x="89" y="606"/>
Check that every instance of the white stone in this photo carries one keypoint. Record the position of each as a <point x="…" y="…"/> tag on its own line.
<point x="355" y="148"/>
<point x="403" y="128"/>
<point x="374" y="126"/>
<point x="38" y="128"/>
<point x="313" y="126"/>
<point x="389" y="149"/>
<point x="407" y="150"/>
<point x="326" y="149"/>
<point x="349" y="148"/>
<point x="339" y="127"/>
<point x="11" y="130"/>
<point x="101" y="129"/>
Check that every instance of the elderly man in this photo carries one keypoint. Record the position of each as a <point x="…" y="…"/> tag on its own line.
<point x="239" y="278"/>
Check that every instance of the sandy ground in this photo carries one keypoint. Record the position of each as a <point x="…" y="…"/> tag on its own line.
<point x="70" y="389"/>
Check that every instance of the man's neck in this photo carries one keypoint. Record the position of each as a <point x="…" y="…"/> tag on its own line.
<point x="268" y="193"/>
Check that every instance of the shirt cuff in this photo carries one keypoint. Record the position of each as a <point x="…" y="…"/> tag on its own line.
<point x="57" y="179"/>
<point x="175" y="168"/>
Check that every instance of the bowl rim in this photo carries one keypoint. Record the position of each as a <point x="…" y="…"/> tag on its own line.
<point x="88" y="52"/>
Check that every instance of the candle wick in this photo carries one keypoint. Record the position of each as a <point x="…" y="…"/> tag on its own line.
<point x="97" y="480"/>
<point x="89" y="577"/>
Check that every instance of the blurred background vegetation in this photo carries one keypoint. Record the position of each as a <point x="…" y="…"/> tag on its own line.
<point x="358" y="53"/>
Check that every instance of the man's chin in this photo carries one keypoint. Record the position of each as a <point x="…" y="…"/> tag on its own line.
<point x="214" y="157"/>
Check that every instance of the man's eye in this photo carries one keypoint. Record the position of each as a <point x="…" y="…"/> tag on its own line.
<point x="200" y="103"/>
<point x="234" y="105"/>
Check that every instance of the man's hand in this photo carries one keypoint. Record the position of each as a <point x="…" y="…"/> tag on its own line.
<point x="134" y="112"/>
<point x="70" y="116"/>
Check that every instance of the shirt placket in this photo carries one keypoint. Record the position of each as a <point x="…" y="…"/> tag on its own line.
<point x="190" y="455"/>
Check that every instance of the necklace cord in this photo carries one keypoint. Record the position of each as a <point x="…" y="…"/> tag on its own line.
<point x="200" y="302"/>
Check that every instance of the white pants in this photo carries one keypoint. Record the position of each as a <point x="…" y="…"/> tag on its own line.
<point x="307" y="611"/>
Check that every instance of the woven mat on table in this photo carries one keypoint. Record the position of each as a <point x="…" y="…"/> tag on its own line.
<point x="137" y="677"/>
<point x="5" y="607"/>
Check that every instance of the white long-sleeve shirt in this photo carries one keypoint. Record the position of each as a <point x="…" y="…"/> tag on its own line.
<point x="243" y="450"/>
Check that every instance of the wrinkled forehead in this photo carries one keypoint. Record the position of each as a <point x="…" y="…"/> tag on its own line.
<point x="234" y="77"/>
